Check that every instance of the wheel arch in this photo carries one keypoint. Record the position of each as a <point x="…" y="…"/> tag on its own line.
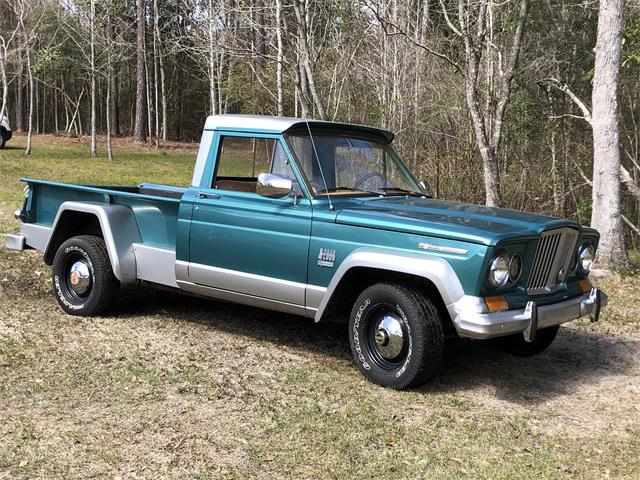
<point x="115" y="224"/>
<point x="366" y="266"/>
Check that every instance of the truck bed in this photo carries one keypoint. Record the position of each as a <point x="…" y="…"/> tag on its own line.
<point x="155" y="207"/>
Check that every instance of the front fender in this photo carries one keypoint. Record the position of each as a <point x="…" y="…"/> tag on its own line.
<point x="433" y="268"/>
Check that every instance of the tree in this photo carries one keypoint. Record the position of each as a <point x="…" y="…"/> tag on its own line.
<point x="487" y="96"/>
<point x="92" y="45"/>
<point x="606" y="210"/>
<point x="279" y="60"/>
<point x="140" y="130"/>
<point x="6" y="41"/>
<point x="608" y="171"/>
<point x="306" y="80"/>
<point x="22" y="9"/>
<point x="112" y="88"/>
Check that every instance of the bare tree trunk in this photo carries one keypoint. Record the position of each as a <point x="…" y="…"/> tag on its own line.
<point x="27" y="47"/>
<point x="212" y="61"/>
<point x="606" y="210"/>
<point x="148" y="93"/>
<point x="163" y="96"/>
<point x="280" y="59"/>
<point x="306" y="72"/>
<point x="55" y="104"/>
<point x="110" y="76"/>
<point x="3" y="78"/>
<point x="114" y="113"/>
<point x="259" y="34"/>
<point x="488" y="126"/>
<point x="44" y="102"/>
<point x="20" y="91"/>
<point x="31" y="102"/>
<point x="155" y="74"/>
<point x="163" y="90"/>
<point x="94" y="149"/>
<point x="108" y="106"/>
<point x="301" y="88"/>
<point x="140" y="130"/>
<point x="36" y="108"/>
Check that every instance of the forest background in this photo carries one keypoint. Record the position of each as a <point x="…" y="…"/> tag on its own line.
<point x="499" y="102"/>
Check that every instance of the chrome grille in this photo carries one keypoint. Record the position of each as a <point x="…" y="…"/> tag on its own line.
<point x="553" y="255"/>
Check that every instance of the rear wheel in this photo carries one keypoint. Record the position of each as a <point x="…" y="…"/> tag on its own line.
<point x="396" y="336"/>
<point x="516" y="344"/>
<point x="82" y="278"/>
<point x="3" y="140"/>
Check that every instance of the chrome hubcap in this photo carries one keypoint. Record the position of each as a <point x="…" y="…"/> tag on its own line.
<point x="389" y="336"/>
<point x="80" y="277"/>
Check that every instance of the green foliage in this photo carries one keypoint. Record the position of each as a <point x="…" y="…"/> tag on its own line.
<point x="583" y="210"/>
<point x="631" y="42"/>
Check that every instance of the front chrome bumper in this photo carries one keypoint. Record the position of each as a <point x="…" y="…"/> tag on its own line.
<point x="472" y="321"/>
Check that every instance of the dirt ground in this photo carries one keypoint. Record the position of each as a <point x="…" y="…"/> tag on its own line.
<point x="174" y="386"/>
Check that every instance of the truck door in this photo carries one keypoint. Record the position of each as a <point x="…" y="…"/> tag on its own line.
<point x="243" y="242"/>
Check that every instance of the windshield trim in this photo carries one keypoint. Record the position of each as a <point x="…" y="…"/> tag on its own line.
<point x="360" y="135"/>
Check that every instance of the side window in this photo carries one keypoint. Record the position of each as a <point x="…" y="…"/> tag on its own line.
<point x="242" y="159"/>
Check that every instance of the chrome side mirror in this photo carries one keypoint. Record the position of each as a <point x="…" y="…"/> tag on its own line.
<point x="272" y="185"/>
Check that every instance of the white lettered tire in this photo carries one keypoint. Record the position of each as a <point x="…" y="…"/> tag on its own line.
<point x="82" y="279"/>
<point x="396" y="336"/>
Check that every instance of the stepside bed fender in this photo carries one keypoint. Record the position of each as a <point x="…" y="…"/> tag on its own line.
<point x="119" y="230"/>
<point x="435" y="269"/>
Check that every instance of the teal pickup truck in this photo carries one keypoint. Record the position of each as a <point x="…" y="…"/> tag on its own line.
<point x="321" y="220"/>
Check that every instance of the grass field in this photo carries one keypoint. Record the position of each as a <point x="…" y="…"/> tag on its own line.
<point x="172" y="386"/>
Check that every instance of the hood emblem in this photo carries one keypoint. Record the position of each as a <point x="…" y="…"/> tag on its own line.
<point x="442" y="248"/>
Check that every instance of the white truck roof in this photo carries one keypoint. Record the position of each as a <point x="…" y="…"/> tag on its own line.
<point x="267" y="124"/>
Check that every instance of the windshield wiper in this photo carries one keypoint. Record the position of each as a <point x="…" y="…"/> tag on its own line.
<point x="349" y="189"/>
<point x="401" y="191"/>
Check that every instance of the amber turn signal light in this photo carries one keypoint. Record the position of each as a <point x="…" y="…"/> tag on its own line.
<point x="585" y="285"/>
<point x="496" y="304"/>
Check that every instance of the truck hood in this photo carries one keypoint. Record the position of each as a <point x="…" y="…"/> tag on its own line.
<point x="439" y="218"/>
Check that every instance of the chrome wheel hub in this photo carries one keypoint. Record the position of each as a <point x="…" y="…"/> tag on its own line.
<point x="80" y="277"/>
<point x="389" y="336"/>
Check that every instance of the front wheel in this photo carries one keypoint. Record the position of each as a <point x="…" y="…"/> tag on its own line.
<point x="396" y="336"/>
<point x="82" y="278"/>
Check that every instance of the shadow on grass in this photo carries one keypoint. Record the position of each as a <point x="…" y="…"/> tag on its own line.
<point x="576" y="357"/>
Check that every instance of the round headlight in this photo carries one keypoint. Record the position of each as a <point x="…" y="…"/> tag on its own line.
<point x="515" y="268"/>
<point x="585" y="258"/>
<point x="499" y="271"/>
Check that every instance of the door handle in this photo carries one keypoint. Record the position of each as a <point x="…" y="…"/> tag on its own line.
<point x="213" y="196"/>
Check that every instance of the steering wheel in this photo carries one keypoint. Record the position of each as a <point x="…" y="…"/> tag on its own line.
<point x="366" y="177"/>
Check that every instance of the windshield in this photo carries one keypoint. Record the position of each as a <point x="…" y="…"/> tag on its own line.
<point x="351" y="165"/>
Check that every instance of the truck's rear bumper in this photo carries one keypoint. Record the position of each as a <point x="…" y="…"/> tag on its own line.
<point x="15" y="242"/>
<point x="31" y="235"/>
<point x="471" y="322"/>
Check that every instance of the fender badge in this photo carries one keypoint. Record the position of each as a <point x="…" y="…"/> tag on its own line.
<point x="326" y="257"/>
<point x="443" y="249"/>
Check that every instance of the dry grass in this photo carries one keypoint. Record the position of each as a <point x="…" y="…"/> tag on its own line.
<point x="172" y="386"/>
